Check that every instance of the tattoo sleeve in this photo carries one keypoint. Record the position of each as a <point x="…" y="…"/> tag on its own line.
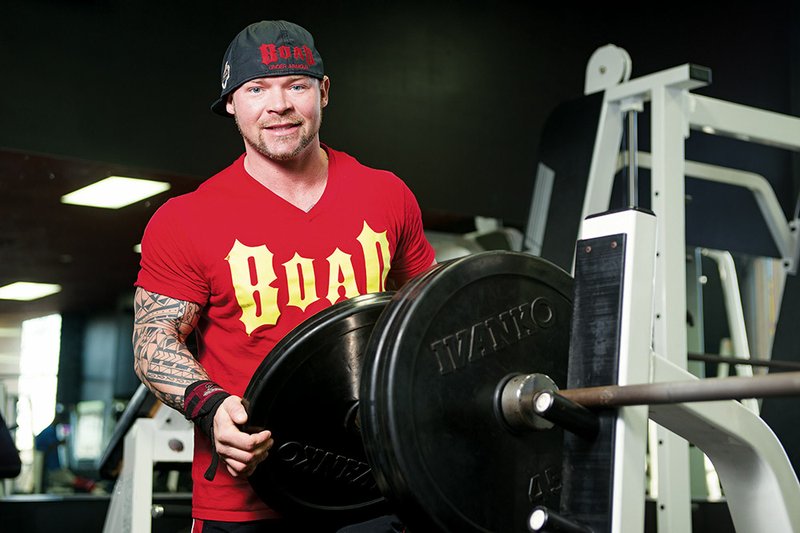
<point x="161" y="359"/>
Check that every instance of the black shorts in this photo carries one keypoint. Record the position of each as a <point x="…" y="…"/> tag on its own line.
<point x="383" y="524"/>
<point x="255" y="526"/>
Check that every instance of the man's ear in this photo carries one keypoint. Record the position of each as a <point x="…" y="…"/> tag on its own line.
<point x="324" y="90"/>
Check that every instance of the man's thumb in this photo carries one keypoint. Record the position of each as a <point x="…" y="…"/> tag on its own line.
<point x="236" y="410"/>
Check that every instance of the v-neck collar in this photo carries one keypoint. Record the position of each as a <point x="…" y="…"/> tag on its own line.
<point x="287" y="206"/>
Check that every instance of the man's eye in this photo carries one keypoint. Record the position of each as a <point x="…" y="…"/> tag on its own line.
<point x="297" y="87"/>
<point x="254" y="90"/>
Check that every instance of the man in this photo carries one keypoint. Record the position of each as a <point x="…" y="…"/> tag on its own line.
<point x="290" y="228"/>
<point x="48" y="443"/>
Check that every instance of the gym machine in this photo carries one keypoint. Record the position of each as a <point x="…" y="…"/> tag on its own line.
<point x="675" y="112"/>
<point x="147" y="434"/>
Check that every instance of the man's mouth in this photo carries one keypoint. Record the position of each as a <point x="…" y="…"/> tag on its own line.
<point x="284" y="127"/>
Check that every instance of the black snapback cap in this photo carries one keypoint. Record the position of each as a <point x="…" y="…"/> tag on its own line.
<point x="267" y="49"/>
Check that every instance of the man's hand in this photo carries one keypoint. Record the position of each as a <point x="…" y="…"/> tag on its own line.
<point x="242" y="452"/>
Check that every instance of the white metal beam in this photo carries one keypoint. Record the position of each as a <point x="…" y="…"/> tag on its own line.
<point x="743" y="122"/>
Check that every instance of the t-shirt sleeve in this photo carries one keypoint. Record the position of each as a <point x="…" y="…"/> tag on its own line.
<point x="414" y="253"/>
<point x="168" y="265"/>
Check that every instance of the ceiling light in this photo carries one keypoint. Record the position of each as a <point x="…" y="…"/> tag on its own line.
<point x="27" y="291"/>
<point x="114" y="192"/>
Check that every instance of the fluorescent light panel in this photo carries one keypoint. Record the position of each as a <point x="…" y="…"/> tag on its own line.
<point x="26" y="291"/>
<point x="114" y="192"/>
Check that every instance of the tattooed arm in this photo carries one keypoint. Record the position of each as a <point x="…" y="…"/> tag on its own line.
<point x="164" y="363"/>
<point x="161" y="359"/>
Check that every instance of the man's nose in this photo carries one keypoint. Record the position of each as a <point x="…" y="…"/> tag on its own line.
<point x="278" y="102"/>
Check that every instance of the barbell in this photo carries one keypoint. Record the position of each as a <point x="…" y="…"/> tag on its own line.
<point x="439" y="402"/>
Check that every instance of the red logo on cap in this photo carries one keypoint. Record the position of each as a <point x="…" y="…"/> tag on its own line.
<point x="271" y="53"/>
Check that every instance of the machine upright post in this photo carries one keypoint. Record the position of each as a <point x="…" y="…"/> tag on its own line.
<point x="668" y="131"/>
<point x="633" y="166"/>
<point x="630" y="442"/>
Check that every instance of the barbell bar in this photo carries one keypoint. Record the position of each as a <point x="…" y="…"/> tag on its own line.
<point x="700" y="390"/>
<point x="772" y="364"/>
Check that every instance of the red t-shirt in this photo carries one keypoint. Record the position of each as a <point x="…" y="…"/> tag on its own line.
<point x="259" y="266"/>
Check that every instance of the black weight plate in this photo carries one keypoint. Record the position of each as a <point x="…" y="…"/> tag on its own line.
<point x="438" y="447"/>
<point x="306" y="392"/>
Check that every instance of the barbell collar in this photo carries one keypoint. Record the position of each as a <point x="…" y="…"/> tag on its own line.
<point x="517" y="397"/>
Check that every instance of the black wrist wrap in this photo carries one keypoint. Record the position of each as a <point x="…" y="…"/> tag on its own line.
<point x="201" y="400"/>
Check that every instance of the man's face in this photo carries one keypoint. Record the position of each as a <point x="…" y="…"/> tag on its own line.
<point x="279" y="117"/>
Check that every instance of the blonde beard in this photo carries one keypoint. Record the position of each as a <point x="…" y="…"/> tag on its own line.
<point x="261" y="147"/>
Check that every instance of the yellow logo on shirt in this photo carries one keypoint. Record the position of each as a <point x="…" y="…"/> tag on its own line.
<point x="253" y="275"/>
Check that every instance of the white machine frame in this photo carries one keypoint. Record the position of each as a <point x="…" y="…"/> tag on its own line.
<point x="167" y="437"/>
<point x="760" y="485"/>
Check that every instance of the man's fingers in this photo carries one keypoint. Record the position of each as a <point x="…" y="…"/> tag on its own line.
<point x="236" y="468"/>
<point x="235" y="409"/>
<point x="230" y="417"/>
<point x="245" y="471"/>
<point x="256" y="454"/>
<point x="231" y="436"/>
<point x="243" y="462"/>
<point x="240" y="451"/>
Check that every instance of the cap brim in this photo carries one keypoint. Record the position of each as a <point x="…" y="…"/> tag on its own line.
<point x="219" y="107"/>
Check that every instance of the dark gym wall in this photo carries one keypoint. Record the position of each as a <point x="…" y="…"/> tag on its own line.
<point x="450" y="95"/>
